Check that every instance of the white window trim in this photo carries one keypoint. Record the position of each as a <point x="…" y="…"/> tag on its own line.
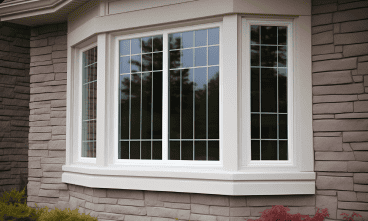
<point x="227" y="176"/>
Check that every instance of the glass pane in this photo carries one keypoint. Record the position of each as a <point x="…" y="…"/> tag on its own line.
<point x="187" y="150"/>
<point x="125" y="65"/>
<point x="254" y="56"/>
<point x="124" y="150"/>
<point x="282" y="35"/>
<point x="91" y="130"/>
<point x="255" y="126"/>
<point x="213" y="55"/>
<point x="157" y="105"/>
<point x="157" y="43"/>
<point x="200" y="56"/>
<point x="255" y="150"/>
<point x="268" y="90"/>
<point x="175" y="103"/>
<point x="200" y="150"/>
<point x="187" y="103"/>
<point x="135" y="149"/>
<point x="136" y="46"/>
<point x="146" y="105"/>
<point x="269" y="126"/>
<point x="93" y="71"/>
<point x="200" y="102"/>
<point x="157" y="150"/>
<point x="268" y="150"/>
<point x="147" y="62"/>
<point x="188" y="39"/>
<point x="157" y="61"/>
<point x="254" y="34"/>
<point x="200" y="38"/>
<point x="282" y="90"/>
<point x="269" y="35"/>
<point x="147" y="44"/>
<point x="174" y="40"/>
<point x="174" y="59"/>
<point x="282" y="56"/>
<point x="213" y="103"/>
<point x="213" y="151"/>
<point x="268" y="56"/>
<point x="283" y="151"/>
<point x="136" y="63"/>
<point x="213" y="36"/>
<point x="135" y="106"/>
<point x="146" y="150"/>
<point x="254" y="89"/>
<point x="283" y="133"/>
<point x="174" y="150"/>
<point x="124" y="106"/>
<point x="125" y="47"/>
<point x="187" y="58"/>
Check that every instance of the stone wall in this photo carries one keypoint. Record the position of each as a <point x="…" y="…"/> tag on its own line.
<point x="340" y="104"/>
<point x="47" y="117"/>
<point x="340" y="113"/>
<point x="14" y="110"/>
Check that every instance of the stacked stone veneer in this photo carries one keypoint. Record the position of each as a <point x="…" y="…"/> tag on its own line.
<point x="340" y="124"/>
<point x="14" y="101"/>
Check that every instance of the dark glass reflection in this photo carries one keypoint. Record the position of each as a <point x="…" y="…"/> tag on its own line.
<point x="254" y="33"/>
<point x="157" y="105"/>
<point x="157" y="43"/>
<point x="146" y="105"/>
<point x="269" y="126"/>
<point x="269" y="35"/>
<point x="157" y="150"/>
<point x="254" y="90"/>
<point x="174" y="150"/>
<point x="268" y="56"/>
<point x="283" y="150"/>
<point x="135" y="150"/>
<point x="136" y="63"/>
<point x="282" y="35"/>
<point x="268" y="150"/>
<point x="175" y="103"/>
<point x="147" y="44"/>
<point x="255" y="150"/>
<point x="254" y="61"/>
<point x="135" y="106"/>
<point x="200" y="150"/>
<point x="146" y="62"/>
<point x="283" y="133"/>
<point x="157" y="61"/>
<point x="268" y="90"/>
<point x="174" y="59"/>
<point x="146" y="150"/>
<point x="187" y="150"/>
<point x="175" y="41"/>
<point x="213" y="151"/>
<point x="200" y="83"/>
<point x="282" y="75"/>
<point x="124" y="150"/>
<point x="124" y="106"/>
<point x="282" y="56"/>
<point x="213" y="102"/>
<point x="255" y="126"/>
<point x="187" y="103"/>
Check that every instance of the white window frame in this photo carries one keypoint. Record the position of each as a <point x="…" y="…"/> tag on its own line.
<point x="232" y="175"/>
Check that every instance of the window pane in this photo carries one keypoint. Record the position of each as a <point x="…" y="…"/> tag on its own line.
<point x="254" y="56"/>
<point x="254" y="89"/>
<point x="283" y="151"/>
<point x="255" y="126"/>
<point x="269" y="35"/>
<point x="268" y="56"/>
<point x="268" y="150"/>
<point x="174" y="150"/>
<point x="254" y="34"/>
<point x="125" y="47"/>
<point x="124" y="150"/>
<point x="89" y="103"/>
<point x="141" y="99"/>
<point x="268" y="90"/>
<point x="282" y="35"/>
<point x="269" y="126"/>
<point x="124" y="65"/>
<point x="194" y="94"/>
<point x="283" y="134"/>
<point x="255" y="150"/>
<point x="282" y="56"/>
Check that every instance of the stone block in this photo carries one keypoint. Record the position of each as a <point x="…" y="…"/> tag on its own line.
<point x="334" y="156"/>
<point x="353" y="205"/>
<point x="361" y="106"/>
<point x="59" y="47"/>
<point x="57" y="145"/>
<point x="51" y="167"/>
<point x="206" y="199"/>
<point x="219" y="210"/>
<point x="75" y="203"/>
<point x="346" y="196"/>
<point x="131" y="202"/>
<point x="361" y="178"/>
<point x="323" y="38"/>
<point x="202" y="217"/>
<point x="346" y="147"/>
<point x="352" y="5"/>
<point x="362" y="197"/>
<point x="161" y="212"/>
<point x="151" y="198"/>
<point x="360" y="188"/>
<point x="354" y="26"/>
<point x="357" y="166"/>
<point x="355" y="50"/>
<point x="363" y="68"/>
<point x="126" y="210"/>
<point x="39" y="136"/>
<point x="110" y="216"/>
<point x="356" y="88"/>
<point x="334" y="98"/>
<point x="174" y="197"/>
<point x="57" y="186"/>
<point x="322" y="19"/>
<point x="329" y="202"/>
<point x="327" y="134"/>
<point x="45" y="110"/>
<point x="327" y="56"/>
<point x="34" y="172"/>
<point x="335" y="77"/>
<point x="52" y="174"/>
<point x="350" y="38"/>
<point x="48" y="96"/>
<point x="363" y="58"/>
<point x="338" y="49"/>
<point x="61" y="40"/>
<point x="334" y="65"/>
<point x="46" y="160"/>
<point x="334" y="183"/>
<point x="38" y="43"/>
<point x="140" y="218"/>
<point x="322" y="28"/>
<point x="37" y="146"/>
<point x="323" y="49"/>
<point x="287" y="200"/>
<point x="238" y="201"/>
<point x="240" y="211"/>
<point x="51" y="180"/>
<point x="55" y="114"/>
<point x="125" y="194"/>
<point x="177" y="205"/>
<point x="34" y="164"/>
<point x="98" y="192"/>
<point x="41" y="58"/>
<point x="57" y="153"/>
<point x="60" y="67"/>
<point x="359" y="146"/>
<point x="56" y="88"/>
<point x="60" y="76"/>
<point x="327" y="143"/>
<point x="326" y="192"/>
<point x="359" y="79"/>
<point x="322" y="9"/>
<point x="340" y="125"/>
<point x="49" y="193"/>
<point x="200" y="209"/>
<point x="355" y="136"/>
<point x="107" y="200"/>
<point x="330" y="166"/>
<point x="58" y="54"/>
<point x="41" y="51"/>
<point x="33" y="188"/>
<point x="59" y="130"/>
<point x="40" y="117"/>
<point x="333" y="108"/>
<point x="350" y="15"/>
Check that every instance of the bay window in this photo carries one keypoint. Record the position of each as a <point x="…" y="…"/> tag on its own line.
<point x="214" y="106"/>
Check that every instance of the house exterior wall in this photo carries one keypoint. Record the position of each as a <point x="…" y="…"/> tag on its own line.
<point x="340" y="112"/>
<point x="14" y="101"/>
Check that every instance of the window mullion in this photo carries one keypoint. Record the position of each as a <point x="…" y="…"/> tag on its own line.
<point x="165" y="93"/>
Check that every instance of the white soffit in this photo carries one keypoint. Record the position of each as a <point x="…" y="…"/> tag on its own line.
<point x="37" y="12"/>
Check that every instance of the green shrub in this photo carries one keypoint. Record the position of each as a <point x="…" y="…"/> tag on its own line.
<point x="13" y="207"/>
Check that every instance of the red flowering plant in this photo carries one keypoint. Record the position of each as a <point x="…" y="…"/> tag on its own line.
<point x="350" y="218"/>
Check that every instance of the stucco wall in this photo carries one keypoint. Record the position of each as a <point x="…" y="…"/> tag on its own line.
<point x="340" y="60"/>
<point x="14" y="110"/>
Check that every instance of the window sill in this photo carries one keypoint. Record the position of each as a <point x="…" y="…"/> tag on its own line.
<point x="205" y="181"/>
